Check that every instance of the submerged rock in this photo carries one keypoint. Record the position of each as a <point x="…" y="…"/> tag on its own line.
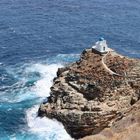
<point x="87" y="98"/>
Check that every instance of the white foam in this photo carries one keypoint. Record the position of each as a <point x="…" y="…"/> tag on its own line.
<point x="41" y="87"/>
<point x="47" y="72"/>
<point x="47" y="129"/>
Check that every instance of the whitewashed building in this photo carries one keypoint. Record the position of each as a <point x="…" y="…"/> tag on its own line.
<point x="101" y="46"/>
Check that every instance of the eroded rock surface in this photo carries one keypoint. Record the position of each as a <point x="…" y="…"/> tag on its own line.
<point x="86" y="98"/>
<point x="128" y="128"/>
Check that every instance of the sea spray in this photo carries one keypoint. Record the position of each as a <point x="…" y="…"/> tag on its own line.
<point x="47" y="73"/>
<point x="21" y="97"/>
<point x="46" y="128"/>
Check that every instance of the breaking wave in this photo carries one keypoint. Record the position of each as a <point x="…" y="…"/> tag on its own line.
<point x="45" y="128"/>
<point x="22" y="90"/>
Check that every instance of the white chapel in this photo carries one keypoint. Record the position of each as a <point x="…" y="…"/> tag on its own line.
<point x="101" y="46"/>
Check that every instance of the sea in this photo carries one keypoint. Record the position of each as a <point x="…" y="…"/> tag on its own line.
<point x="39" y="36"/>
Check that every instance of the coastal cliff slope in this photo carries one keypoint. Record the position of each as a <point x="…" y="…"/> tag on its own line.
<point x="94" y="93"/>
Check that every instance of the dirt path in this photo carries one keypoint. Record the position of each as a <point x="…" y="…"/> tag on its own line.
<point x="106" y="67"/>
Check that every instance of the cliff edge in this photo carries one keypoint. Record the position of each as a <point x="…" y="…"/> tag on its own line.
<point x="94" y="93"/>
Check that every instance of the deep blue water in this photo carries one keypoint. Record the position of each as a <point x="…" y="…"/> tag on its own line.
<point x="37" y="37"/>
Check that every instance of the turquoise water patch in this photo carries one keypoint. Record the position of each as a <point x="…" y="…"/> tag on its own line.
<point x="20" y="101"/>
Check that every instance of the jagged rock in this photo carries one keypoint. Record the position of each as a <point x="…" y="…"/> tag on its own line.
<point x="127" y="128"/>
<point x="87" y="98"/>
<point x="61" y="70"/>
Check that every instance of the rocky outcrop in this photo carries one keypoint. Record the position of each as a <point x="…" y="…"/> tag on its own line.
<point x="128" y="128"/>
<point x="87" y="98"/>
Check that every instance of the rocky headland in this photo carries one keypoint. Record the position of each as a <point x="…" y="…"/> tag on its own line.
<point x="97" y="95"/>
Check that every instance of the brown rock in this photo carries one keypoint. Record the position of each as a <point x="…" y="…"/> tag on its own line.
<point x="127" y="128"/>
<point x="88" y="99"/>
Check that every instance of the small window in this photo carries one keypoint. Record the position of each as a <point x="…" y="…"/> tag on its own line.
<point x="103" y="48"/>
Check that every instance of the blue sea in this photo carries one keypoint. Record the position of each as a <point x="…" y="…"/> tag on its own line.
<point x="39" y="36"/>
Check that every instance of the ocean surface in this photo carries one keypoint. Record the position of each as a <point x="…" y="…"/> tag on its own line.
<point x="39" y="36"/>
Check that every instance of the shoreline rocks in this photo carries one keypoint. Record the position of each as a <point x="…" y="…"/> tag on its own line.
<point x="87" y="99"/>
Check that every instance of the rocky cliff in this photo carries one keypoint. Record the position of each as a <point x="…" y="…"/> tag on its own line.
<point x="94" y="93"/>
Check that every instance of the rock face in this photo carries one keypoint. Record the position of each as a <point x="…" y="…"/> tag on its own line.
<point x="128" y="128"/>
<point x="87" y="98"/>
